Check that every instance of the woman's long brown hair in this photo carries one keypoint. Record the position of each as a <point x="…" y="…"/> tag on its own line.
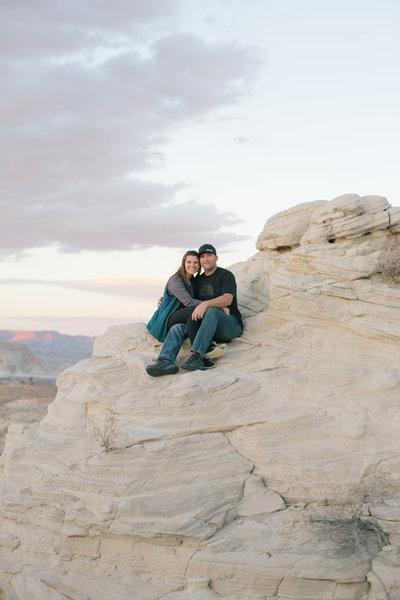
<point x="181" y="271"/>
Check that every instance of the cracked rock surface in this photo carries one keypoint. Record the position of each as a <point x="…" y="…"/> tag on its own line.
<point x="275" y="476"/>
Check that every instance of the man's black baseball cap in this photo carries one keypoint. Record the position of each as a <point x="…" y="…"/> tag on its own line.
<point x="207" y="248"/>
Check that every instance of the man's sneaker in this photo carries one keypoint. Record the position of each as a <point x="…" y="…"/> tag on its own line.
<point x="208" y="364"/>
<point x="215" y="350"/>
<point x="163" y="366"/>
<point x="197" y="362"/>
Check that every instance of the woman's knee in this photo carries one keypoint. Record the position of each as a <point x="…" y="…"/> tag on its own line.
<point x="179" y="329"/>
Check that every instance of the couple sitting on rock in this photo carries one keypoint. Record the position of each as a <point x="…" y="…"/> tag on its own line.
<point x="204" y="307"/>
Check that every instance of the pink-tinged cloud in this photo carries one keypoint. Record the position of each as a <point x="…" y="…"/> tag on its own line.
<point x="79" y="126"/>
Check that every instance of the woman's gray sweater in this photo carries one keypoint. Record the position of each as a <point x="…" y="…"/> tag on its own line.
<point x="176" y="287"/>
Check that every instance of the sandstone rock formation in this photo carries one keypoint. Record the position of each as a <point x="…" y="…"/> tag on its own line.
<point x="273" y="476"/>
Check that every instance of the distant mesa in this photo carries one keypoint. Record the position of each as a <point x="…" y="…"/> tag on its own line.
<point x="22" y="336"/>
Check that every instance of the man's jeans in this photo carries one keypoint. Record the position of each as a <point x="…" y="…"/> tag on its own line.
<point x="214" y="323"/>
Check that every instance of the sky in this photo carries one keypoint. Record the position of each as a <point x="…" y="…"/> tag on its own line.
<point x="134" y="130"/>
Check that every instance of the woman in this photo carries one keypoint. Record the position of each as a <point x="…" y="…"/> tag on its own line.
<point x="178" y="301"/>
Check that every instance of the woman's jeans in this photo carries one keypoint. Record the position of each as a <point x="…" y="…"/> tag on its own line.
<point x="215" y="324"/>
<point x="182" y="315"/>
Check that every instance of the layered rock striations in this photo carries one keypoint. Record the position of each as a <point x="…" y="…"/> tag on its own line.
<point x="273" y="476"/>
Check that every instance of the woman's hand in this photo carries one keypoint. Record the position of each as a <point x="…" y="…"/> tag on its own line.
<point x="159" y="302"/>
<point x="226" y="311"/>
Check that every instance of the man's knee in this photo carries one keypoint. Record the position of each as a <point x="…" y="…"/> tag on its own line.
<point x="213" y="311"/>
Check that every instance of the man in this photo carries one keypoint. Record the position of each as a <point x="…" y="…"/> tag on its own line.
<point x="216" y="318"/>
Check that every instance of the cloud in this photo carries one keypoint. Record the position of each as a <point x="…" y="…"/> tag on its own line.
<point x="249" y="140"/>
<point x="133" y="287"/>
<point x="148" y="289"/>
<point x="85" y="112"/>
<point x="51" y="27"/>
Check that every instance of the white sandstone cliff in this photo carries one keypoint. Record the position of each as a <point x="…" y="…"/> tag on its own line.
<point x="273" y="476"/>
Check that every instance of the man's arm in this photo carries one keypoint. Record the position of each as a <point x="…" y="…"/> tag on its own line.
<point x="218" y="302"/>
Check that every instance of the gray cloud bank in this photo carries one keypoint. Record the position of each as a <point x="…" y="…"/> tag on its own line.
<point x="90" y="93"/>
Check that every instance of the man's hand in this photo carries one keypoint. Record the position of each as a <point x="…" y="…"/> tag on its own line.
<point x="199" y="311"/>
<point x="159" y="302"/>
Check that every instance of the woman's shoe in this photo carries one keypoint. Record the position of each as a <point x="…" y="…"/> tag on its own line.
<point x="163" y="366"/>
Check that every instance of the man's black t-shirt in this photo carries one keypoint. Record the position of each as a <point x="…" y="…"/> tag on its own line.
<point x="222" y="281"/>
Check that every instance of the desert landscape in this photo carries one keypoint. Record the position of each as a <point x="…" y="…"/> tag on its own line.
<point x="133" y="133"/>
<point x="275" y="476"/>
<point x="24" y="400"/>
<point x="40" y="353"/>
<point x="29" y="364"/>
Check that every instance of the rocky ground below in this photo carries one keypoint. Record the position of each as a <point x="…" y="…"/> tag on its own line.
<point x="274" y="476"/>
